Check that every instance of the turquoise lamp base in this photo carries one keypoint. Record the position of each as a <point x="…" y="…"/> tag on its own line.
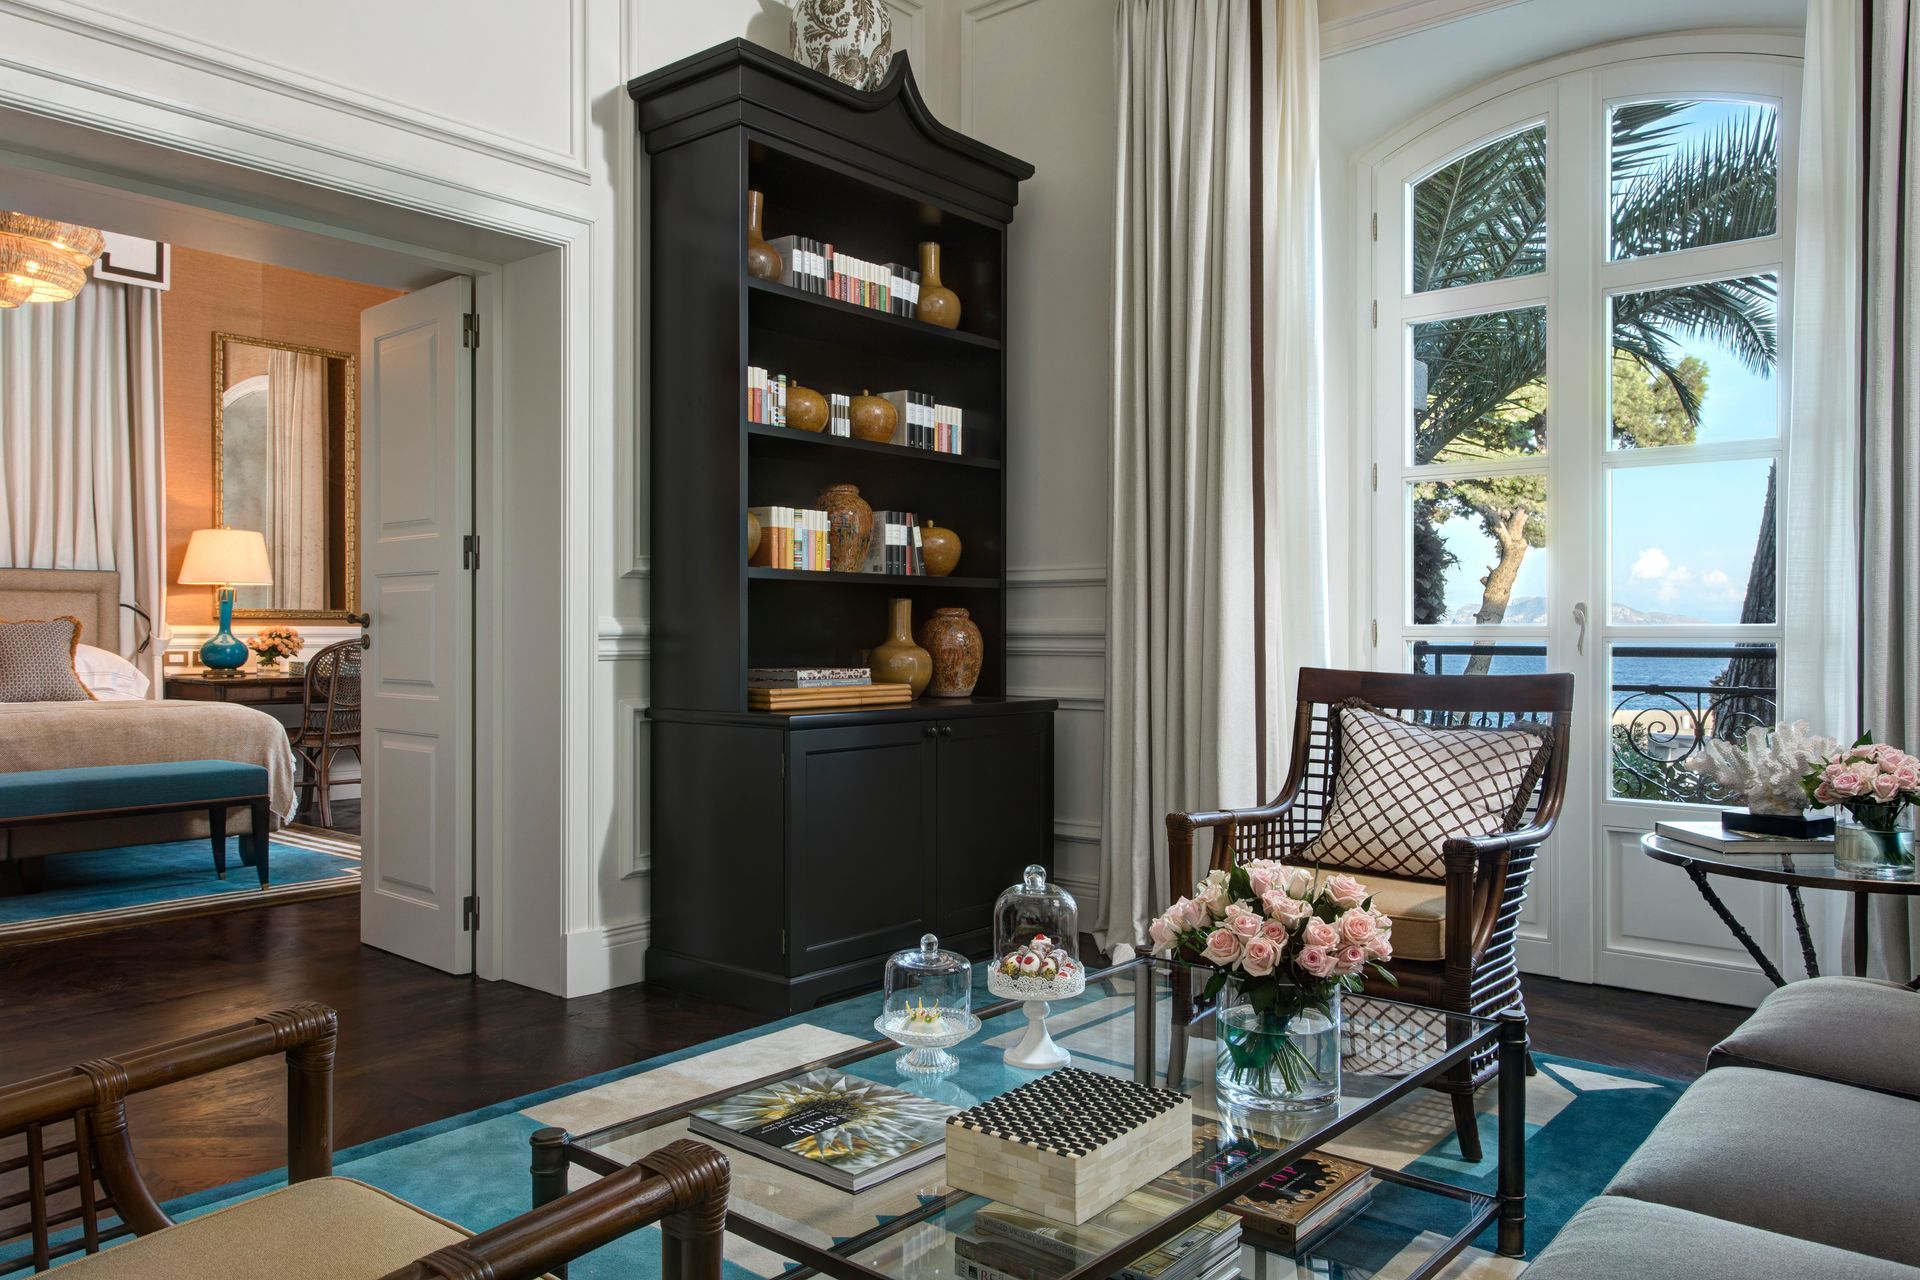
<point x="224" y="653"/>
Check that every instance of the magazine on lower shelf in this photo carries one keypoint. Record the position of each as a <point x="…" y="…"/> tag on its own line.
<point x="846" y="1131"/>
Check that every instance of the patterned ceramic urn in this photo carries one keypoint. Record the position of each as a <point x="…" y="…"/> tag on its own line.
<point x="955" y="643"/>
<point x="850" y="40"/>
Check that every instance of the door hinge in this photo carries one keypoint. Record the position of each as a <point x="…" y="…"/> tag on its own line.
<point x="470" y="331"/>
<point x="470" y="551"/>
<point x="1374" y="629"/>
<point x="470" y="913"/>
<point x="1376" y="226"/>
<point x="783" y="943"/>
<point x="1376" y="313"/>
<point x="1376" y="477"/>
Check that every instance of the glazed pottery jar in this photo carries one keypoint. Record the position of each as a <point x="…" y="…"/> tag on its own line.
<point x="957" y="649"/>
<point x="753" y="535"/>
<point x="763" y="260"/>
<point x="899" y="660"/>
<point x="849" y="527"/>
<point x="850" y="40"/>
<point x="806" y="408"/>
<point x="940" y="548"/>
<point x="872" y="418"/>
<point x="938" y="304"/>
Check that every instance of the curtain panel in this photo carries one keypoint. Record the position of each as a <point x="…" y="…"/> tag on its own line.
<point x="82" y="471"/>
<point x="297" y="489"/>
<point x="1214" y="477"/>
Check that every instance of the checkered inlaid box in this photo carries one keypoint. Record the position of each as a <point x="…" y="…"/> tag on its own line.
<point x="1069" y="1144"/>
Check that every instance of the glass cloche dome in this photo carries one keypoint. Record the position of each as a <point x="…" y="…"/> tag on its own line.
<point x="1036" y="930"/>
<point x="929" y="1005"/>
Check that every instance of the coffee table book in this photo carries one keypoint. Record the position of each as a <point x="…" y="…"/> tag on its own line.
<point x="1069" y="1144"/>
<point x="1712" y="836"/>
<point x="1294" y="1204"/>
<point x="846" y="1131"/>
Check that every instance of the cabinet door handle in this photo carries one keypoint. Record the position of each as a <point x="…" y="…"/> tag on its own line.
<point x="946" y="731"/>
<point x="930" y="730"/>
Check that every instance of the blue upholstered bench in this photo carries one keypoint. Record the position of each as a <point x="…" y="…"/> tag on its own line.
<point x="40" y="796"/>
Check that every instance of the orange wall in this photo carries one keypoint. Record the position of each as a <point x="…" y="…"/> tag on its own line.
<point x="215" y="294"/>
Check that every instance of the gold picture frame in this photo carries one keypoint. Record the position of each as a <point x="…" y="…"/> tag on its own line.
<point x="350" y="457"/>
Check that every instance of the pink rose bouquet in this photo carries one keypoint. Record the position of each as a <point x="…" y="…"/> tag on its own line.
<point x="275" y="643"/>
<point x="1288" y="939"/>
<point x="1872" y="781"/>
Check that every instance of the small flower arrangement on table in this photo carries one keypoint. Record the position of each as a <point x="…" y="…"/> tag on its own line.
<point x="274" y="644"/>
<point x="1874" y="783"/>
<point x="1288" y="942"/>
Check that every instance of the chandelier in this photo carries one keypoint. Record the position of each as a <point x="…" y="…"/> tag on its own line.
<point x="42" y="260"/>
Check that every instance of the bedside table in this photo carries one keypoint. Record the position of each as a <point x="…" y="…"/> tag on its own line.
<point x="279" y="687"/>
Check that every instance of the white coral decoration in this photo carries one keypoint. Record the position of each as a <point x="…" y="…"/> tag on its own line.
<point x="1768" y="769"/>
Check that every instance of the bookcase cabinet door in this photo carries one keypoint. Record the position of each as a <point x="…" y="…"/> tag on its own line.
<point x="860" y="842"/>
<point x="994" y="816"/>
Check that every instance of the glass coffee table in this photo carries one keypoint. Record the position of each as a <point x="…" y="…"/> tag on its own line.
<point x="1125" y="1025"/>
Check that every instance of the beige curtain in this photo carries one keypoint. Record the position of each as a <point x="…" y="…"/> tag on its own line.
<point x="1195" y="677"/>
<point x="1890" y="543"/>
<point x="82" y="469"/>
<point x="297" y="469"/>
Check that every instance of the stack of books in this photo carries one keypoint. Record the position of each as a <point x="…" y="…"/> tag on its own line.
<point x="792" y="538"/>
<point x="1304" y="1201"/>
<point x="1715" y="838"/>
<point x="924" y="423"/>
<point x="815" y="266"/>
<point x="817" y="688"/>
<point x="1012" y="1244"/>
<point x="766" y="397"/>
<point x="895" y="547"/>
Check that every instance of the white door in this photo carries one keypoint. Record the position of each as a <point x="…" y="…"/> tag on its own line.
<point x="1577" y="392"/>
<point x="416" y="510"/>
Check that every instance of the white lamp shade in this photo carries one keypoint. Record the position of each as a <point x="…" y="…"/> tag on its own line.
<point x="226" y="558"/>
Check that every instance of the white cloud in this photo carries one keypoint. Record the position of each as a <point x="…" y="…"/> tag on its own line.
<point x="1673" y="583"/>
<point x="1651" y="564"/>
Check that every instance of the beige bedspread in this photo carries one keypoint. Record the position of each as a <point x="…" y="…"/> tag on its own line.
<point x="65" y="735"/>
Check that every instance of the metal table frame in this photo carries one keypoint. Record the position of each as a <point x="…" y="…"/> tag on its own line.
<point x="554" y="1151"/>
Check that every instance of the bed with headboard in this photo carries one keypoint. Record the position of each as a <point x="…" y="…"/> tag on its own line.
<point x="57" y="735"/>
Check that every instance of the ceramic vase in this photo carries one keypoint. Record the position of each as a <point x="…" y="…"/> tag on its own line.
<point x="940" y="548"/>
<point x="957" y="649"/>
<point x="763" y="260"/>
<point x="753" y="535"/>
<point x="898" y="660"/>
<point x="849" y="527"/>
<point x="806" y="409"/>
<point x="938" y="304"/>
<point x="1284" y="1059"/>
<point x="872" y="418"/>
<point x="850" y="40"/>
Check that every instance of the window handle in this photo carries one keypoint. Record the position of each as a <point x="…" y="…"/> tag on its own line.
<point x="1580" y="621"/>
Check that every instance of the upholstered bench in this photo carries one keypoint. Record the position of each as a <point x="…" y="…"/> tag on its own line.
<point x="1857" y="1031"/>
<point x="39" y="796"/>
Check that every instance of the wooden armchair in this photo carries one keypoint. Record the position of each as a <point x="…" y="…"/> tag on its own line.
<point x="1458" y="929"/>
<point x="69" y="1184"/>
<point x="329" y="720"/>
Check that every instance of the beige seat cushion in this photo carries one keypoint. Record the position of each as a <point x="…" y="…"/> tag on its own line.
<point x="324" y="1229"/>
<point x="1419" y="912"/>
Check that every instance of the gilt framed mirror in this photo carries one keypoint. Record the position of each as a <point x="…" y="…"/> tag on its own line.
<point x="286" y="441"/>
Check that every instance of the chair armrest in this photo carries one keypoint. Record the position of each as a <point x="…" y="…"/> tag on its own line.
<point x="1181" y="826"/>
<point x="1475" y="849"/>
<point x="683" y="1186"/>
<point x="1478" y="868"/>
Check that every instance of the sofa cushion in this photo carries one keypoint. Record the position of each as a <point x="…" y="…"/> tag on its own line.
<point x="37" y="792"/>
<point x="1419" y="912"/>
<point x="1823" y="1161"/>
<point x="36" y="661"/>
<point x="323" y="1229"/>
<point x="1400" y="790"/>
<point x="1614" y="1238"/>
<point x="1854" y="1030"/>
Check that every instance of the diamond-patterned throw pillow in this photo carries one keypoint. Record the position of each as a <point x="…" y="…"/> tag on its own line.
<point x="36" y="661"/>
<point x="1401" y="790"/>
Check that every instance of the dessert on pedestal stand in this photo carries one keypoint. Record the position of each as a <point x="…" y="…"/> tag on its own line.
<point x="1034" y="928"/>
<point x="928" y="1007"/>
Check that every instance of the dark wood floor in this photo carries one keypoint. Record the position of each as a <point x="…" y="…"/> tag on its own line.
<point x="418" y="1046"/>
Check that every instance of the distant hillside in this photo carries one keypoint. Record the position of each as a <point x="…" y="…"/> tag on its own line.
<point x="1531" y="611"/>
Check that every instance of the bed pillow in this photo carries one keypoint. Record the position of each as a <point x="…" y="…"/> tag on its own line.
<point x="1401" y="790"/>
<point x="108" y="676"/>
<point x="36" y="661"/>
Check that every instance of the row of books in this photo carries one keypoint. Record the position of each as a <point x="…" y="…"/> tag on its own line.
<point x="1715" y="838"/>
<point x="792" y="538"/>
<point x="820" y="688"/>
<point x="920" y="421"/>
<point x="817" y="267"/>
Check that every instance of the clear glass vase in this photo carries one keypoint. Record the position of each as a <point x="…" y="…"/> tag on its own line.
<point x="1877" y="852"/>
<point x="1287" y="1059"/>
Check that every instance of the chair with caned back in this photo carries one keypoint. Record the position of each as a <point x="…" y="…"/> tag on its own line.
<point x="1455" y="923"/>
<point x="329" y="720"/>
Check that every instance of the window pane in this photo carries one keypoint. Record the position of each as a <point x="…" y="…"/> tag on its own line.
<point x="1483" y="217"/>
<point x="1688" y="174"/>
<point x="1479" y="551"/>
<point x="1695" y="364"/>
<point x="1693" y="543"/>
<point x="1479" y="387"/>
<point x="1466" y="657"/>
<point x="1668" y="699"/>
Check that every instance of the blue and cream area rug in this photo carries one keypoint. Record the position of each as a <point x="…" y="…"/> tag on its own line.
<point x="1583" y="1121"/>
<point x="112" y="888"/>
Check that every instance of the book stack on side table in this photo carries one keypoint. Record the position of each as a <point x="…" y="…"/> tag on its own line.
<point x="820" y="688"/>
<point x="1714" y="838"/>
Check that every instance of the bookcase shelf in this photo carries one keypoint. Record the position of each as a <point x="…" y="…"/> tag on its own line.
<point x="894" y="580"/>
<point x="849" y="322"/>
<point x="785" y="436"/>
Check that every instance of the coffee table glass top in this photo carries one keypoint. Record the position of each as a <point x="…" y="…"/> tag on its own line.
<point x="1123" y="1025"/>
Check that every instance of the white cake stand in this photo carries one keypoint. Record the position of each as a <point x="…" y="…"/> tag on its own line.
<point x="926" y="1051"/>
<point x="1036" y="1050"/>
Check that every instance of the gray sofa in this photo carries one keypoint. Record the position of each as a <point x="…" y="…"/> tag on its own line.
<point x="1796" y="1154"/>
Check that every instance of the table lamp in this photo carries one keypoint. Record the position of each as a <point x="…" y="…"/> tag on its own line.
<point x="225" y="558"/>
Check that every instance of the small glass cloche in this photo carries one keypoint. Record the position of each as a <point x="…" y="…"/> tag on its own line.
<point x="929" y="1005"/>
<point x="1036" y="927"/>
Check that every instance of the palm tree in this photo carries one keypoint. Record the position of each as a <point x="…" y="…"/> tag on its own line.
<point x="1484" y="217"/>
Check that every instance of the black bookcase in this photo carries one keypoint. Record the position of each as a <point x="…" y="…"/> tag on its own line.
<point x="793" y="852"/>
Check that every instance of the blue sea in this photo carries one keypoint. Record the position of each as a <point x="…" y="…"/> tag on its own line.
<point x="1627" y="674"/>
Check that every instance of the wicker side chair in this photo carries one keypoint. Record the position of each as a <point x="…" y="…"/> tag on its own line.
<point x="329" y="721"/>
<point x="1472" y="912"/>
<point x="69" y="1184"/>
